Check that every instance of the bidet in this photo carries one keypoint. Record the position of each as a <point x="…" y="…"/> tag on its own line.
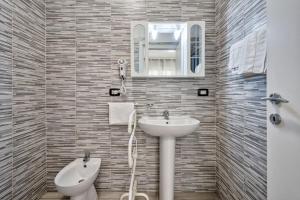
<point x="77" y="178"/>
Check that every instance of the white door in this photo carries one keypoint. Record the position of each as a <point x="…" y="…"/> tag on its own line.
<point x="284" y="79"/>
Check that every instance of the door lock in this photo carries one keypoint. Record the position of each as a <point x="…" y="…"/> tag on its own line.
<point x="275" y="119"/>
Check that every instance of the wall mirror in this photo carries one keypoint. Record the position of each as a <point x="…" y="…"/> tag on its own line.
<point x="168" y="49"/>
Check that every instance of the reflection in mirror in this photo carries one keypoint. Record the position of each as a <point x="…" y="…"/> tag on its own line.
<point x="139" y="48"/>
<point x="196" y="48"/>
<point x="166" y="51"/>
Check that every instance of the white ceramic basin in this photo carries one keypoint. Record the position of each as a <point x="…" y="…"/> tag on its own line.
<point x="76" y="179"/>
<point x="174" y="127"/>
<point x="168" y="130"/>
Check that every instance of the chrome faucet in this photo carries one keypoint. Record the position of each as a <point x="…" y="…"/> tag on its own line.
<point x="149" y="106"/>
<point x="86" y="157"/>
<point x="166" y="115"/>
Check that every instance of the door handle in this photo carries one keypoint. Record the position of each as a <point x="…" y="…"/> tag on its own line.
<point x="275" y="99"/>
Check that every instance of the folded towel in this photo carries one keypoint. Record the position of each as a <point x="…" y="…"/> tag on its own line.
<point x="250" y="54"/>
<point x="261" y="51"/>
<point x="119" y="113"/>
<point x="236" y="56"/>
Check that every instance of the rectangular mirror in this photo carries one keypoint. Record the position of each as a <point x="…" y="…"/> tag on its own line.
<point x="162" y="49"/>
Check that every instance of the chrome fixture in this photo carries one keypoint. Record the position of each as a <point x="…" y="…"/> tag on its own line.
<point x="122" y="67"/>
<point x="275" y="99"/>
<point x="275" y="119"/>
<point x="166" y="115"/>
<point x="86" y="157"/>
<point x="149" y="106"/>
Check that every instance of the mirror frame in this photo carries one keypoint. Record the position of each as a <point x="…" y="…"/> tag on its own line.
<point x="190" y="74"/>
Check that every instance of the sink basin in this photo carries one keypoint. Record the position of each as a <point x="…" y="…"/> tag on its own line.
<point x="168" y="130"/>
<point x="174" y="127"/>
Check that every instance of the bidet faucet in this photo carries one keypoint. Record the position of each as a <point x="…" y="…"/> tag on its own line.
<point x="166" y="115"/>
<point x="149" y="106"/>
<point x="86" y="157"/>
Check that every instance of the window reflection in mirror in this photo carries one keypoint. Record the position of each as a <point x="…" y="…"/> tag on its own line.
<point x="167" y="49"/>
<point x="196" y="48"/>
<point x="139" y="48"/>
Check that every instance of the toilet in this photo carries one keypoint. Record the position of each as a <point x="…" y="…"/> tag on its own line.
<point x="77" y="178"/>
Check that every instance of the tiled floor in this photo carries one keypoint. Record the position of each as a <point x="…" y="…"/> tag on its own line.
<point x="116" y="196"/>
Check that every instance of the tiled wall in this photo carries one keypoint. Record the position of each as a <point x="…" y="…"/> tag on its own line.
<point x="22" y="99"/>
<point x="85" y="38"/>
<point x="241" y="115"/>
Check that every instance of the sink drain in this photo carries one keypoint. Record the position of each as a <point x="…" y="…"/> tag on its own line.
<point x="81" y="180"/>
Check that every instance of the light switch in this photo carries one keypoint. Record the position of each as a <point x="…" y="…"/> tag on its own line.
<point x="203" y="92"/>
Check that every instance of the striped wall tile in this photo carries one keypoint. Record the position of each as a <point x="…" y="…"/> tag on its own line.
<point x="6" y="147"/>
<point x="169" y="10"/>
<point x="241" y="115"/>
<point x="22" y="99"/>
<point x="60" y="86"/>
<point x="92" y="81"/>
<point x="98" y="32"/>
<point x="29" y="135"/>
<point x="84" y="41"/>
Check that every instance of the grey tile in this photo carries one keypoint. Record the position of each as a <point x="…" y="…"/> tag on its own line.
<point x="6" y="147"/>
<point x="84" y="41"/>
<point x="29" y="132"/>
<point x="241" y="115"/>
<point x="22" y="99"/>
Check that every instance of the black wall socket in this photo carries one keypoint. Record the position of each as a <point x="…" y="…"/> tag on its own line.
<point x="203" y="92"/>
<point x="114" y="92"/>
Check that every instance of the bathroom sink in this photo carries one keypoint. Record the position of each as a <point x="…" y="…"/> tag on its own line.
<point x="167" y="130"/>
<point x="174" y="127"/>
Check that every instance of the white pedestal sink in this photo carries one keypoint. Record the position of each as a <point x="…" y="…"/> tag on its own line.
<point x="168" y="130"/>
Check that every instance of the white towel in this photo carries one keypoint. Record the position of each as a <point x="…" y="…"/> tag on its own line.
<point x="261" y="51"/>
<point x="236" y="56"/>
<point x="250" y="54"/>
<point x="119" y="113"/>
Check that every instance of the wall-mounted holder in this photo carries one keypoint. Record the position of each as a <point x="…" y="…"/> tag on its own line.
<point x="122" y="66"/>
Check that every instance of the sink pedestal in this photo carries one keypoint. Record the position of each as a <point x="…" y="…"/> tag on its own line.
<point x="168" y="130"/>
<point x="167" y="168"/>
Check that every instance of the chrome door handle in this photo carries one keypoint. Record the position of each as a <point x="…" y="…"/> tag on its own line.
<point x="275" y="99"/>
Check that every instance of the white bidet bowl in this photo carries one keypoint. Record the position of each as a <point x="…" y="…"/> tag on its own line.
<point x="77" y="178"/>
